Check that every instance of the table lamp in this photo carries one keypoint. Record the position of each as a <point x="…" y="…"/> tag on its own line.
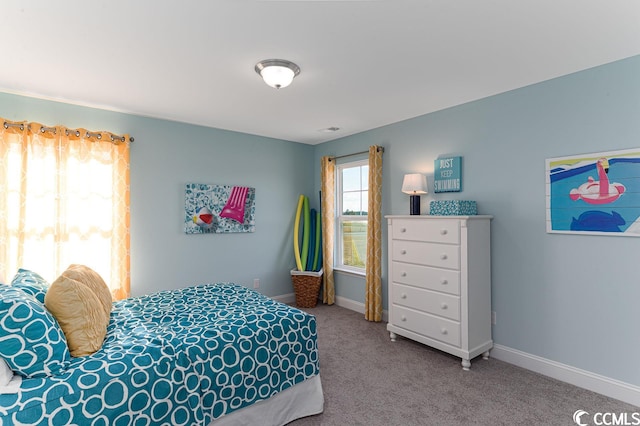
<point x="414" y="184"/>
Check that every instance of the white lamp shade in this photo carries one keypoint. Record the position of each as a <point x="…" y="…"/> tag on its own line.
<point x="277" y="76"/>
<point x="414" y="184"/>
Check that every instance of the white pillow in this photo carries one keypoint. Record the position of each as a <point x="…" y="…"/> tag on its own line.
<point x="9" y="382"/>
<point x="6" y="374"/>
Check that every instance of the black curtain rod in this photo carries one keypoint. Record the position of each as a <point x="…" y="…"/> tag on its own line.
<point x="378" y="149"/>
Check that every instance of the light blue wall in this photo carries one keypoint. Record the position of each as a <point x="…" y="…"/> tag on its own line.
<point x="165" y="156"/>
<point x="571" y="299"/>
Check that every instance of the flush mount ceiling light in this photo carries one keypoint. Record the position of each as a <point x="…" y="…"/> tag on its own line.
<point x="329" y="129"/>
<point x="277" y="73"/>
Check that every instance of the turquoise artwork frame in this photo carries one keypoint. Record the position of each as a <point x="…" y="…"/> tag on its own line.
<point x="218" y="209"/>
<point x="447" y="174"/>
<point x="594" y="194"/>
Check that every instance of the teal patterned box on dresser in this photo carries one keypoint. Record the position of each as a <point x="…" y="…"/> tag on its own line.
<point x="453" y="208"/>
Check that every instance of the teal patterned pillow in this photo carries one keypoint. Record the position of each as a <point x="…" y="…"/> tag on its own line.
<point x="31" y="341"/>
<point x="31" y="283"/>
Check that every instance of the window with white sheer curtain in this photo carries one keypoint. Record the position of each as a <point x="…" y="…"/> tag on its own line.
<point x="64" y="199"/>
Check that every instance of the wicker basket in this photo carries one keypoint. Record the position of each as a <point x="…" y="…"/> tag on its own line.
<point x="306" y="286"/>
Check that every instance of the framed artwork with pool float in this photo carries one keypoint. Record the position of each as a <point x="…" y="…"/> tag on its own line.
<point x="594" y="194"/>
<point x="217" y="209"/>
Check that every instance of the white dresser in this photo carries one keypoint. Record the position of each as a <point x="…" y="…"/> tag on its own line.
<point x="440" y="282"/>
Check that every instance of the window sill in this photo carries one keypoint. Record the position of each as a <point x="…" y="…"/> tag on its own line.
<point x="350" y="272"/>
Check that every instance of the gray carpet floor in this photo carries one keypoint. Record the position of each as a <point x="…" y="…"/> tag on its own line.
<point x="369" y="380"/>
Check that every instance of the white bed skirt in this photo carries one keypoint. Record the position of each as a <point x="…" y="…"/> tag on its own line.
<point x="304" y="399"/>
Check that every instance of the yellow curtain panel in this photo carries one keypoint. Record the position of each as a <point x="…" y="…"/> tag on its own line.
<point x="327" y="178"/>
<point x="373" y="295"/>
<point x="64" y="200"/>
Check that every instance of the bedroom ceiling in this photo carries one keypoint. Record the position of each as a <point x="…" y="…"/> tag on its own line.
<point x="364" y="63"/>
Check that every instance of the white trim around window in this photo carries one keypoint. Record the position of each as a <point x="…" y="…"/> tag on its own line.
<point x="351" y="214"/>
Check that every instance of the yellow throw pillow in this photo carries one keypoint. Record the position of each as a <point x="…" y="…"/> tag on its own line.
<point x="78" y="302"/>
<point x="94" y="281"/>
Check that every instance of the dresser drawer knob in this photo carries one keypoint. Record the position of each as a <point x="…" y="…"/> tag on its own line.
<point x="403" y="230"/>
<point x="444" y="331"/>
<point x="403" y="252"/>
<point x="443" y="256"/>
<point x="444" y="281"/>
<point x="443" y="306"/>
<point x="443" y="232"/>
<point x="403" y="296"/>
<point x="403" y="274"/>
<point x="403" y="318"/>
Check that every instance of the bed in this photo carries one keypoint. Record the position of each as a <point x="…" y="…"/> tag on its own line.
<point x="209" y="354"/>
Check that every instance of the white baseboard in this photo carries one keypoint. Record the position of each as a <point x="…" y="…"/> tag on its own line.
<point x="340" y="301"/>
<point x="350" y="304"/>
<point x="357" y="306"/>
<point x="584" y="379"/>
<point x="285" y="298"/>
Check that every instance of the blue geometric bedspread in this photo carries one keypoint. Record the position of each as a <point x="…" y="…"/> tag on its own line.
<point x="177" y="357"/>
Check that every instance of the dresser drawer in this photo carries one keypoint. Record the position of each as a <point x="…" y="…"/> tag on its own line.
<point x="433" y="327"/>
<point x="444" y="305"/>
<point x="430" y="254"/>
<point x="444" y="280"/>
<point x="437" y="231"/>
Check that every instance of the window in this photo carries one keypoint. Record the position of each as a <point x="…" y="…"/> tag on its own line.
<point x="351" y="214"/>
